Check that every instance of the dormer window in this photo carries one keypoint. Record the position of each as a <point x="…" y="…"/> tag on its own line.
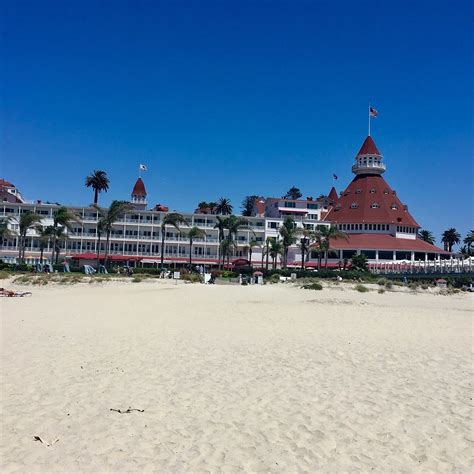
<point x="385" y="191"/>
<point x="394" y="207"/>
<point x="373" y="191"/>
<point x="358" y="191"/>
<point x="354" y="205"/>
<point x="375" y="205"/>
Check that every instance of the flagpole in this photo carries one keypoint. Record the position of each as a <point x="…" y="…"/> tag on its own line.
<point x="368" y="110"/>
<point x="139" y="171"/>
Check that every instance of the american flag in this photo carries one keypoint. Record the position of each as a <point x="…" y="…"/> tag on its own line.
<point x="334" y="176"/>
<point x="373" y="112"/>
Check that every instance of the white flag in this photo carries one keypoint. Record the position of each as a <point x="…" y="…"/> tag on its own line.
<point x="143" y="168"/>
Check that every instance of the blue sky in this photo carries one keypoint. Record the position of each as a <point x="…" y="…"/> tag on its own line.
<point x="236" y="98"/>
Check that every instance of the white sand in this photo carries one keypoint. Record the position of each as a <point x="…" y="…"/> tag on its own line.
<point x="273" y="378"/>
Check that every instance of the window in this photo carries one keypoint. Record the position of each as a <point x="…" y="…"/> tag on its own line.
<point x="273" y="225"/>
<point x="385" y="191"/>
<point x="394" y="207"/>
<point x="372" y="191"/>
<point x="354" y="205"/>
<point x="375" y="205"/>
<point x="290" y="204"/>
<point x="311" y="206"/>
<point x="358" y="191"/>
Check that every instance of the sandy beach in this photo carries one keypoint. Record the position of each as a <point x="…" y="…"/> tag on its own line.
<point x="233" y="379"/>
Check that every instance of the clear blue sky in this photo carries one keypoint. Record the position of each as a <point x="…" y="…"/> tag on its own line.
<point x="235" y="98"/>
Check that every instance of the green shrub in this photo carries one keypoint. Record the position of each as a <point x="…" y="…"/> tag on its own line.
<point x="388" y="285"/>
<point x="4" y="275"/>
<point x="361" y="288"/>
<point x="424" y="286"/>
<point x="381" y="291"/>
<point x="313" y="286"/>
<point x="382" y="281"/>
<point x="275" y="278"/>
<point x="191" y="277"/>
<point x="137" y="279"/>
<point x="228" y="274"/>
<point x="24" y="279"/>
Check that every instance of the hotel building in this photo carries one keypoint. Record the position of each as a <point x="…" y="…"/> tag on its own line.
<point x="368" y="211"/>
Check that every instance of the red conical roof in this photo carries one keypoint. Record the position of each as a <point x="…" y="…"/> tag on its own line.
<point x="368" y="147"/>
<point x="370" y="199"/>
<point x="139" y="188"/>
<point x="333" y="194"/>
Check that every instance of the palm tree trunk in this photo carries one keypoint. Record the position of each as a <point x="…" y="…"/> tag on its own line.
<point x="41" y="255"/>
<point x="319" y="260"/>
<point x="250" y="256"/>
<point x="326" y="252"/>
<point x="190" y="253"/>
<point x="96" y="195"/>
<point x="98" y="250"/>
<point x="302" y="256"/>
<point x="106" y="256"/>
<point x="267" y="257"/>
<point x="53" y="245"/>
<point x="162" y="247"/>
<point x="58" y="251"/>
<point x="20" y="247"/>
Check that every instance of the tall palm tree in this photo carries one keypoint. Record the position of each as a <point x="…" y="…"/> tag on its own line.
<point x="5" y="231"/>
<point x="276" y="248"/>
<point x="44" y="234"/>
<point x="228" y="245"/>
<point x="62" y="217"/>
<point x="173" y="219"/>
<point x="220" y="226"/>
<point x="427" y="236"/>
<point x="98" y="181"/>
<point x="449" y="238"/>
<point x="306" y="238"/>
<point x="224" y="206"/>
<point x="469" y="241"/>
<point x="253" y="243"/>
<point x="27" y="221"/>
<point x="233" y="224"/>
<point x="266" y="251"/>
<point x="288" y="232"/>
<point x="60" y="235"/>
<point x="194" y="233"/>
<point x="107" y="220"/>
<point x="327" y="233"/>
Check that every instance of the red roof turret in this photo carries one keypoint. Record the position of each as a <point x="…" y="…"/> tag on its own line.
<point x="369" y="147"/>
<point x="333" y="194"/>
<point x="139" y="188"/>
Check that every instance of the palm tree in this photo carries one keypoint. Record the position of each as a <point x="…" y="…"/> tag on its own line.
<point x="253" y="243"/>
<point x="469" y="241"/>
<point x="5" y="232"/>
<point x="62" y="217"/>
<point x="233" y="224"/>
<point x="227" y="246"/>
<point x="194" y="233"/>
<point x="224" y="206"/>
<point x="173" y="219"/>
<point x="60" y="235"/>
<point x="107" y="221"/>
<point x="27" y="220"/>
<point x="276" y="248"/>
<point x="427" y="236"/>
<point x="306" y="237"/>
<point x="99" y="182"/>
<point x="220" y="226"/>
<point x="449" y="238"/>
<point x="288" y="232"/>
<point x="327" y="233"/>
<point x="44" y="234"/>
<point x="266" y="251"/>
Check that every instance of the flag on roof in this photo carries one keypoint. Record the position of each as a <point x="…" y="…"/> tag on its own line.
<point x="373" y="112"/>
<point x="334" y="176"/>
<point x="143" y="168"/>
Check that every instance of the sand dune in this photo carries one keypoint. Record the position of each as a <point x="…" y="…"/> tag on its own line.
<point x="231" y="379"/>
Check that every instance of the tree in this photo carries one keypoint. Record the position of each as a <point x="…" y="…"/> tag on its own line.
<point x="205" y="207"/>
<point x="266" y="251"/>
<point x="60" y="235"/>
<point x="276" y="248"/>
<point x="224" y="206"/>
<point x="5" y="232"/>
<point x="227" y="246"/>
<point x="247" y="205"/>
<point x="327" y="233"/>
<point x="469" y="241"/>
<point x="62" y="217"/>
<point x="220" y="226"/>
<point x="44" y="234"/>
<point x="359" y="262"/>
<point x="288" y="232"/>
<point x="427" y="236"/>
<point x="305" y="241"/>
<point x="108" y="217"/>
<point x="98" y="181"/>
<point x="293" y="193"/>
<point x="253" y="243"/>
<point x="194" y="233"/>
<point x="173" y="219"/>
<point x="449" y="238"/>
<point x="27" y="221"/>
